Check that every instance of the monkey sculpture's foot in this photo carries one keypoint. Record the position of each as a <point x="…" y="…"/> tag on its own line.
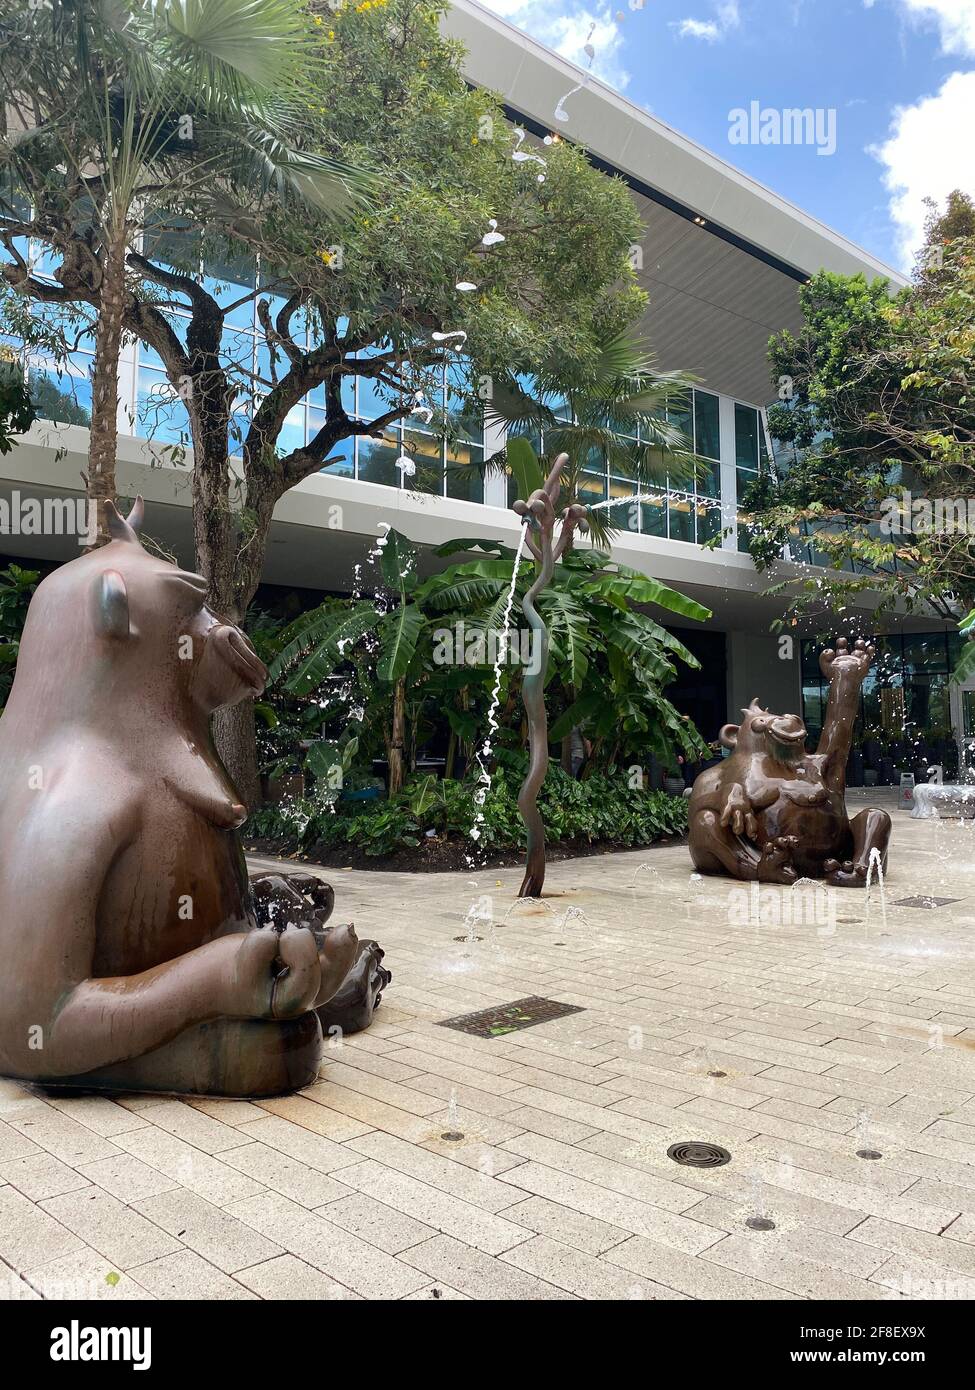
<point x="353" y="979"/>
<point x="775" y="865"/>
<point x="845" y="873"/>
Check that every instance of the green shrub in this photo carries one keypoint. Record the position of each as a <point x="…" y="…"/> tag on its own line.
<point x="603" y="809"/>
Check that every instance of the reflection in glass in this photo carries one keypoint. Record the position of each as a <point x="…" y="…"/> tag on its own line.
<point x="746" y="436"/>
<point x="707" y="437"/>
<point x="377" y="461"/>
<point x="462" y="479"/>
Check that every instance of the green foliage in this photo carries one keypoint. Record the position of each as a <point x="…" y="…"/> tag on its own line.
<point x="16" y="591"/>
<point x="17" y="412"/>
<point x="609" y="662"/>
<point x="882" y="409"/>
<point x="602" y="810"/>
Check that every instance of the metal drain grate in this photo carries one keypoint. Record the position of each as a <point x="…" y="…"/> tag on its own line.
<point x="760" y="1223"/>
<point x="509" y="1018"/>
<point x="925" y="900"/>
<point x="695" y="1153"/>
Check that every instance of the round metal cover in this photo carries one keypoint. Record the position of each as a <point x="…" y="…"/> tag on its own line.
<point x="695" y="1153"/>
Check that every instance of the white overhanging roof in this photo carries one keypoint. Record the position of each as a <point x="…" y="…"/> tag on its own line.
<point x="717" y="291"/>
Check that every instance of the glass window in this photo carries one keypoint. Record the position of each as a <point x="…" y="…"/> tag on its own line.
<point x="464" y="407"/>
<point x="708" y="523"/>
<point x="292" y="434"/>
<point x="653" y="515"/>
<point x="592" y="488"/>
<point x="682" y="416"/>
<point x="171" y="242"/>
<point x="681" y="519"/>
<point x="342" y="465"/>
<point x="709" y="480"/>
<point x="746" y="436"/>
<point x="160" y="414"/>
<point x="463" y="481"/>
<point x="377" y="460"/>
<point x="707" y="434"/>
<point x="426" y="451"/>
<point x="925" y="652"/>
<point x="62" y="393"/>
<point x="229" y="279"/>
<point x="372" y="402"/>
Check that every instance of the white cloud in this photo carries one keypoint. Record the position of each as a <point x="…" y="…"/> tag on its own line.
<point x="710" y="30"/>
<point x="564" y="25"/>
<point x="955" y="20"/>
<point x="928" y="153"/>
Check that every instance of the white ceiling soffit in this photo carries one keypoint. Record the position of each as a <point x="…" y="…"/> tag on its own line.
<point x="717" y="292"/>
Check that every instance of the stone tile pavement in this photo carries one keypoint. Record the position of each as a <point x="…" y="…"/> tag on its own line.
<point x="789" y="1026"/>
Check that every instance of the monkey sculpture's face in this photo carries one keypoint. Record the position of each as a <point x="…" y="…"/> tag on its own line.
<point x="781" y="736"/>
<point x="152" y="616"/>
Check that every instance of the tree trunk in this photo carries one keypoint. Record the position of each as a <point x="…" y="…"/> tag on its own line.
<point x="448" y="767"/>
<point x="398" y="737"/>
<point x="103" y="435"/>
<point x="233" y="733"/>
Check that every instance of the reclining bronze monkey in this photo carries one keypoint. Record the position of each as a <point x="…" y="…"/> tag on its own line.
<point x="773" y="812"/>
<point x="134" y="956"/>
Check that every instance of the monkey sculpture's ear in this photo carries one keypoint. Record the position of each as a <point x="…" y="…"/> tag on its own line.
<point x="110" y="605"/>
<point x="124" y="528"/>
<point x="729" y="735"/>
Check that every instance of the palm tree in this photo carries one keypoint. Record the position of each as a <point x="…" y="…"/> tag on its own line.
<point x="124" y="106"/>
<point x="614" y="411"/>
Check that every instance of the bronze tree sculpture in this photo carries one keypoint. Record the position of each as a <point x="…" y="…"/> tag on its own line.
<point x="773" y="812"/>
<point x="538" y="514"/>
<point x="133" y="957"/>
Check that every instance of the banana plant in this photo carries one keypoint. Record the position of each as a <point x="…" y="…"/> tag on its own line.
<point x="318" y="642"/>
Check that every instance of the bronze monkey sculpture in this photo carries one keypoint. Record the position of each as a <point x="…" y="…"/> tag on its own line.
<point x="133" y="957"/>
<point x="772" y="812"/>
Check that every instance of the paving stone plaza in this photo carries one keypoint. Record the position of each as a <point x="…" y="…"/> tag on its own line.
<point x="792" y="1037"/>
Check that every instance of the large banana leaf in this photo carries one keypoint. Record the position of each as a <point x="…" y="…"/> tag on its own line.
<point x="400" y="633"/>
<point x="626" y="587"/>
<point x="319" y="637"/>
<point x="462" y="586"/>
<point x="525" y="467"/>
<point x="568" y="628"/>
<point x="465" y="544"/>
<point x="634" y="633"/>
<point x="398" y="562"/>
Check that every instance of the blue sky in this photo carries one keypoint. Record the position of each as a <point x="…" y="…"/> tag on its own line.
<point x="899" y="75"/>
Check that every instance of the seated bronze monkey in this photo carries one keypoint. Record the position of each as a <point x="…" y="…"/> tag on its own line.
<point x="133" y="956"/>
<point x="772" y="812"/>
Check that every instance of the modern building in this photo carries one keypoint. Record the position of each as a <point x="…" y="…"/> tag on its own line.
<point x="722" y="259"/>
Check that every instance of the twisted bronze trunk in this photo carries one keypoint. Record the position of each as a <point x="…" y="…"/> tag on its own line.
<point x="539" y="515"/>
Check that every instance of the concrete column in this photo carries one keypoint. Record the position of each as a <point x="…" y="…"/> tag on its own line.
<point x="729" y="478"/>
<point x="764" y="666"/>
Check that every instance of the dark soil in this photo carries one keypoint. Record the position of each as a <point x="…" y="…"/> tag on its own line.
<point x="440" y="855"/>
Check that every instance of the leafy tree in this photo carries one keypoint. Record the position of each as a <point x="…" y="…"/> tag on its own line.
<point x="112" y="107"/>
<point x="17" y="412"/>
<point x="881" y="419"/>
<point x="374" y="303"/>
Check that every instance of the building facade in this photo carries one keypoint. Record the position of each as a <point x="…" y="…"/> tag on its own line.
<point x="722" y="259"/>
